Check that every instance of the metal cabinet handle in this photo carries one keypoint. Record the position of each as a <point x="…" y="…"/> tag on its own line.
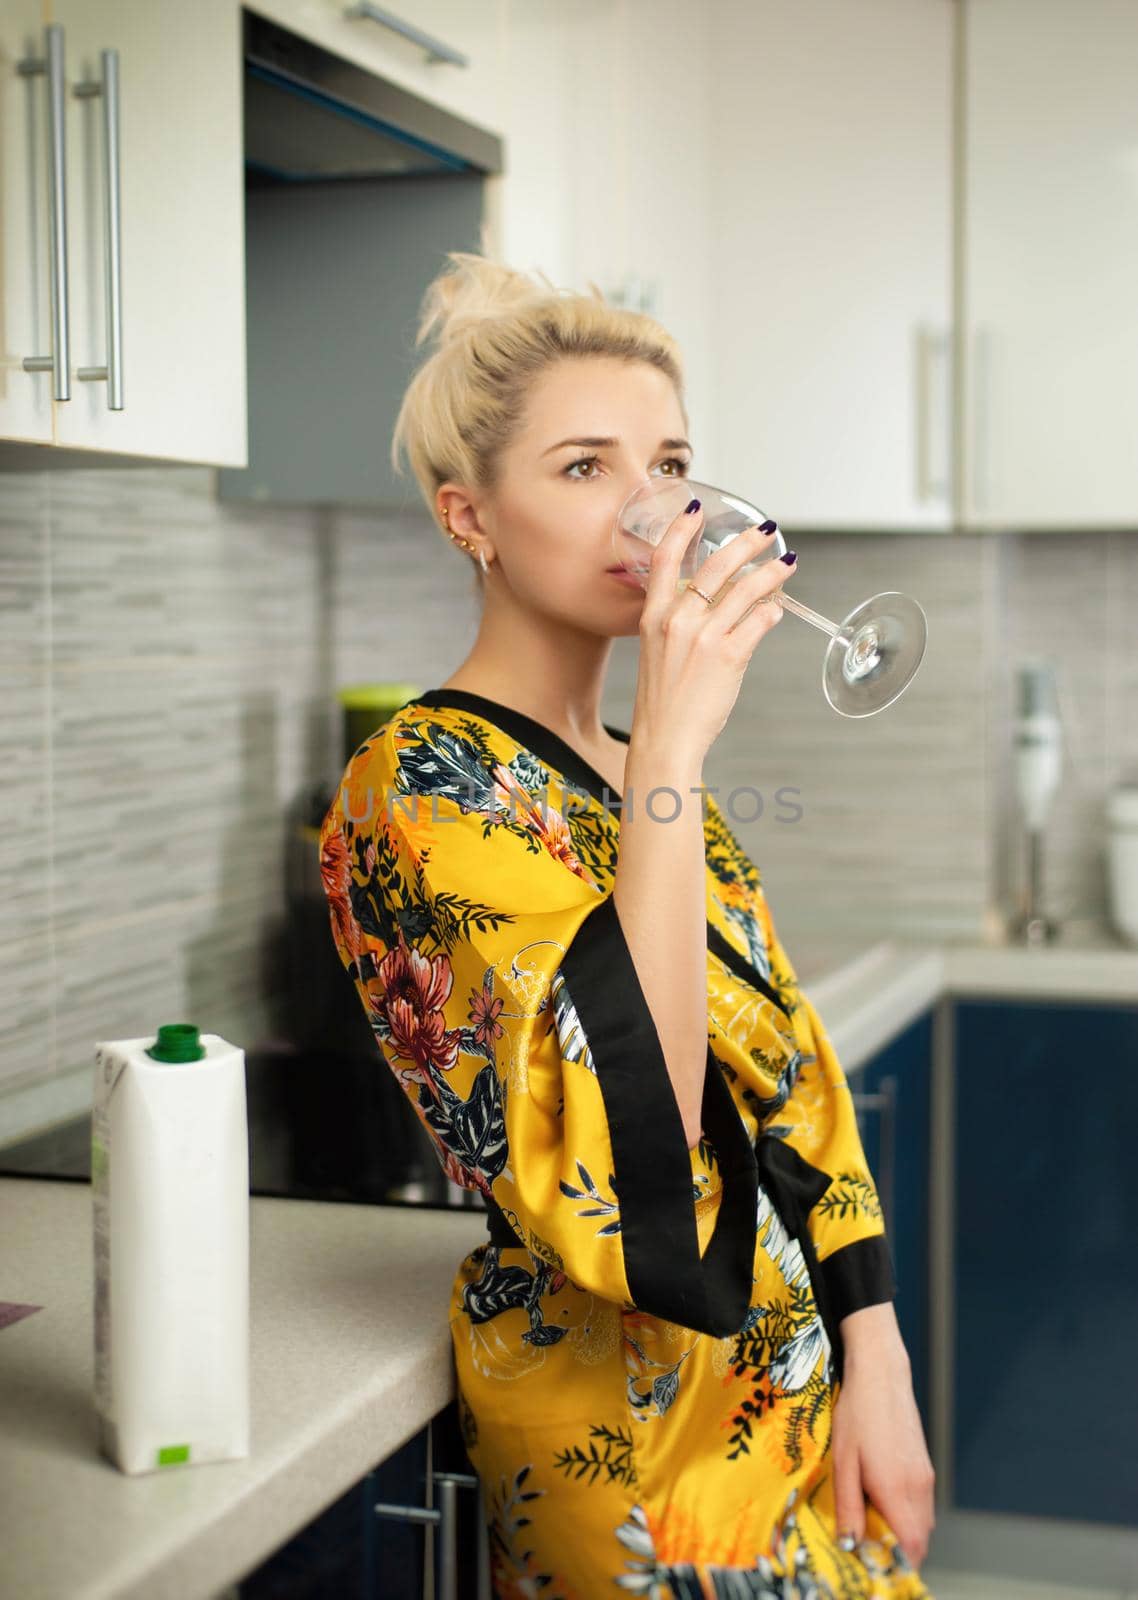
<point x="981" y="419"/>
<point x="444" y="1517"/>
<point x="436" y="50"/>
<point x="59" y="361"/>
<point x="107" y="88"/>
<point x="884" y="1101"/>
<point x="932" y="410"/>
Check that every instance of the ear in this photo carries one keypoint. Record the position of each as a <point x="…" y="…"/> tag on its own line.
<point x="454" y="500"/>
<point x="461" y="516"/>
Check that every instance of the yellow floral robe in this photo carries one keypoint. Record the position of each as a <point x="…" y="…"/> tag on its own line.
<point x="647" y="1346"/>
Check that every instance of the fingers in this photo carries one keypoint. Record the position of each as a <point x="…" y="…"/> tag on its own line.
<point x="738" y="643"/>
<point x="667" y="556"/>
<point x="907" y="1502"/>
<point x="914" y="1520"/>
<point x="736" y="599"/>
<point x="730" y="597"/>
<point x="747" y="612"/>
<point x="747" y="546"/>
<point x="849" y="1499"/>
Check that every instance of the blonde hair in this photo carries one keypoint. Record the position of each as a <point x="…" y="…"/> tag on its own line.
<point x="497" y="331"/>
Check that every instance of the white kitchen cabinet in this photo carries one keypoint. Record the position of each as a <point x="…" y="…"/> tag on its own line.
<point x="25" y="228"/>
<point x="1050" y="262"/>
<point x="170" y="277"/>
<point x="530" y="211"/>
<point x="472" y="28"/>
<point x="180" y="170"/>
<point x="830" y="242"/>
<point x="603" y="110"/>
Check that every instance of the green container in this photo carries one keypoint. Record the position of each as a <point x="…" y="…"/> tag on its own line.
<point x="367" y="706"/>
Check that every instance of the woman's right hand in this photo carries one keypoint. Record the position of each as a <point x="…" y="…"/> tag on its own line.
<point x="693" y="655"/>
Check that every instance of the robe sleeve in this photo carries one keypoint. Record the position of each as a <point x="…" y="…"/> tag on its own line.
<point x="502" y="994"/>
<point x="817" y="1122"/>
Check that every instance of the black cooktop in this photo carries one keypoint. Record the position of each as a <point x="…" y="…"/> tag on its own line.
<point x="323" y="1125"/>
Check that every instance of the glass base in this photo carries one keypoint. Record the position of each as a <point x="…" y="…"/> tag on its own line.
<point x="873" y="658"/>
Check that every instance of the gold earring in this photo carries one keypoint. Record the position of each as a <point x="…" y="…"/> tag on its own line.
<point x="465" y="543"/>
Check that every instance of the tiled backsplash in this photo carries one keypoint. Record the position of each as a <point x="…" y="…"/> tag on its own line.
<point x="170" y="666"/>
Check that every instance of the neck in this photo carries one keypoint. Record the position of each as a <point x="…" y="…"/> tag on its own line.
<point x="548" y="669"/>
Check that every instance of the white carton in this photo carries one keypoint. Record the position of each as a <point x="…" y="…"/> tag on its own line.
<point x="170" y="1187"/>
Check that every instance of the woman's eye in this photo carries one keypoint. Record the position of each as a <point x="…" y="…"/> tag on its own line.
<point x="589" y="461"/>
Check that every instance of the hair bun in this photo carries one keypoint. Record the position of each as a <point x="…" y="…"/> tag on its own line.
<point x="499" y="328"/>
<point x="471" y="290"/>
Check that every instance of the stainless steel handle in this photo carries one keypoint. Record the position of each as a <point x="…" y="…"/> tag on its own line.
<point x="884" y="1101"/>
<point x="444" y="1517"/>
<point x="436" y="50"/>
<point x="107" y="88"/>
<point x="425" y="1514"/>
<point x="932" y="415"/>
<point x="981" y="419"/>
<point x="59" y="361"/>
<point x="483" y="1549"/>
<point x="447" y="1490"/>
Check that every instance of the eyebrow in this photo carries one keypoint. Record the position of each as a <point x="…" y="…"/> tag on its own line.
<point x="610" y="444"/>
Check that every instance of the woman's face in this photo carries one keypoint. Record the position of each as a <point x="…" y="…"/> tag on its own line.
<point x="595" y="429"/>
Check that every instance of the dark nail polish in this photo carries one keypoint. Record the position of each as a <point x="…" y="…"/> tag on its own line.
<point x="692" y="505"/>
<point x="790" y="557"/>
<point x="768" y="526"/>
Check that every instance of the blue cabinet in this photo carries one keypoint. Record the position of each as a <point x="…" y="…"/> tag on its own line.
<point x="892" y="1099"/>
<point x="1046" y="1265"/>
<point x="356" y="1552"/>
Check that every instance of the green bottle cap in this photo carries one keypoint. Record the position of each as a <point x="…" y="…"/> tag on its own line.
<point x="177" y="1041"/>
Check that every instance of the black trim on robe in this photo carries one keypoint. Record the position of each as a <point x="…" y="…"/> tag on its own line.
<point x="665" y="1272"/>
<point x="860" y="1274"/>
<point x="531" y="734"/>
<point x="719" y="945"/>
<point x="652" y="1167"/>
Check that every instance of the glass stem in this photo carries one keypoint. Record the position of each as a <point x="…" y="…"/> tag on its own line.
<point x="814" y="617"/>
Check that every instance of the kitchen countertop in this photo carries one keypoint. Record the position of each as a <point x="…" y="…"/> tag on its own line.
<point x="366" y="1288"/>
<point x="350" y="1358"/>
<point x="866" y="996"/>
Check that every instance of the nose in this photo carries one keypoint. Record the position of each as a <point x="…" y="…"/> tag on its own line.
<point x="633" y="482"/>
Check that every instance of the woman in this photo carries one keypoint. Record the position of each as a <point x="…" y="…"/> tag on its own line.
<point x="679" y="1369"/>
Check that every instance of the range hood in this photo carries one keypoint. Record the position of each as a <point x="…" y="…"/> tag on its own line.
<point x="315" y="117"/>
<point x="355" y="192"/>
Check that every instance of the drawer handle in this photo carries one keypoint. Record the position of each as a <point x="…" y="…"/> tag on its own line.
<point x="107" y="88"/>
<point x="933" y="355"/>
<point x="59" y="361"/>
<point x="436" y="50"/>
<point x="444" y="1518"/>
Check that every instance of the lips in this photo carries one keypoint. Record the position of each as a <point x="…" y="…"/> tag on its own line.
<point x="620" y="567"/>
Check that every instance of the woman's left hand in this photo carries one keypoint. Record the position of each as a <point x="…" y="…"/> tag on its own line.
<point x="878" y="1442"/>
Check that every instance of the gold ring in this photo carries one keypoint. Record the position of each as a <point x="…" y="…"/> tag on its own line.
<point x="693" y="590"/>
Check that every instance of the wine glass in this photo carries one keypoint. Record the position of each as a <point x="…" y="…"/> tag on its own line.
<point x="872" y="656"/>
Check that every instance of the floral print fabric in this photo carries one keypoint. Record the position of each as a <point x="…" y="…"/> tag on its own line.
<point x="647" y="1347"/>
